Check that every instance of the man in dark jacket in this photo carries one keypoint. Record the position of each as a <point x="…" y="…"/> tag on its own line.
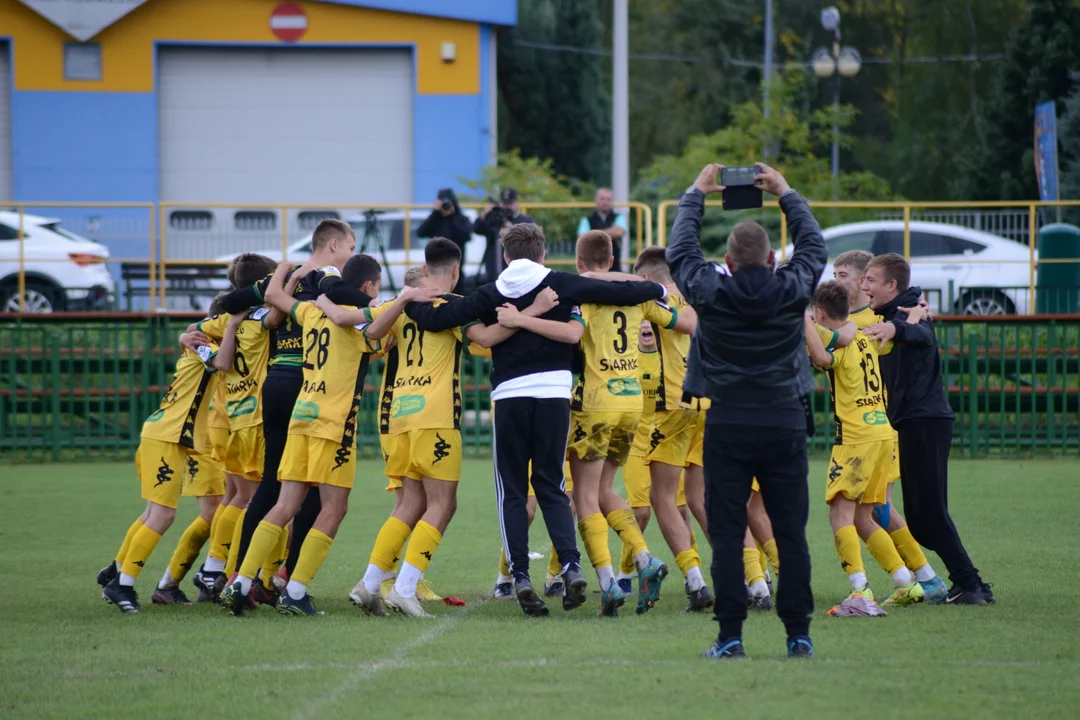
<point x="920" y="413"/>
<point x="748" y="358"/>
<point x="531" y="385"/>
<point x="447" y="221"/>
<point x="492" y="221"/>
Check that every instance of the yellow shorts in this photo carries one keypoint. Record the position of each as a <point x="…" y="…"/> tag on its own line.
<point x="861" y="472"/>
<point x="893" y="477"/>
<point x="203" y="477"/>
<point x="387" y="443"/>
<point x="637" y="480"/>
<point x="566" y="476"/>
<point x="677" y="438"/>
<point x="318" y="461"/>
<point x="426" y="453"/>
<point x="602" y="435"/>
<point x="245" y="451"/>
<point x="219" y="440"/>
<point x="162" y="467"/>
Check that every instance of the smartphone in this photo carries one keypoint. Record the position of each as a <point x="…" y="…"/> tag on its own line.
<point x="739" y="176"/>
<point x="740" y="189"/>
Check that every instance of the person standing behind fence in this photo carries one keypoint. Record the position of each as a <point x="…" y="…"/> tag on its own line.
<point x="747" y="356"/>
<point x="447" y="221"/>
<point x="920" y="413"/>
<point x="493" y="219"/>
<point x="607" y="220"/>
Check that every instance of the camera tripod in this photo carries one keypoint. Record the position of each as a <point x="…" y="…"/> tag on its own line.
<point x="372" y="234"/>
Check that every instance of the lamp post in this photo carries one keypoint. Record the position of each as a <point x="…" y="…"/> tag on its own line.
<point x="835" y="63"/>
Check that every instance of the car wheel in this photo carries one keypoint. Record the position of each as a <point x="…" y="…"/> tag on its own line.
<point x="985" y="302"/>
<point x="39" y="298"/>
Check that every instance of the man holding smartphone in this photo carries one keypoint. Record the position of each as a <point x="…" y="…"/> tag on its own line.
<point x="748" y="358"/>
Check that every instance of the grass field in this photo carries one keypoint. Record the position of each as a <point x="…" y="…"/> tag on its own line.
<point x="65" y="653"/>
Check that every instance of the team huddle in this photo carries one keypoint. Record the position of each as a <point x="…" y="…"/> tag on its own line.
<point x="260" y="423"/>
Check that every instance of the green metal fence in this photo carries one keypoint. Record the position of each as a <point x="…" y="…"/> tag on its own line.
<point x="77" y="387"/>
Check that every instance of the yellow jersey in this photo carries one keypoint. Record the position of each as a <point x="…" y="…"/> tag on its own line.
<point x="673" y="347"/>
<point x="422" y="382"/>
<point x="649" y="380"/>
<point x="216" y="415"/>
<point x="864" y="317"/>
<point x="245" y="376"/>
<point x="858" y="394"/>
<point x="181" y="417"/>
<point x="609" y="379"/>
<point x="335" y="363"/>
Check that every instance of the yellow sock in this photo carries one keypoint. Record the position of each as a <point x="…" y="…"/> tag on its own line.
<point x="388" y="544"/>
<point x="142" y="544"/>
<point x="554" y="566"/>
<point x="221" y="537"/>
<point x="624" y="523"/>
<point x="504" y="566"/>
<point x="626" y="562"/>
<point x="773" y="554"/>
<point x="214" y="521"/>
<point x="127" y="540"/>
<point x="189" y="547"/>
<point x="847" y="547"/>
<point x="234" y="544"/>
<point x="312" y="554"/>
<point x="425" y="541"/>
<point x="277" y="557"/>
<point x="693" y="540"/>
<point x="882" y="549"/>
<point x="594" y="532"/>
<point x="261" y="547"/>
<point x="687" y="559"/>
<point x="752" y="566"/>
<point x="909" y="550"/>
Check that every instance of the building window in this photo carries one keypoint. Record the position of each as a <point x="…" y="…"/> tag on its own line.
<point x="82" y="61"/>
<point x="198" y="220"/>
<point x="310" y="219"/>
<point x="255" y="220"/>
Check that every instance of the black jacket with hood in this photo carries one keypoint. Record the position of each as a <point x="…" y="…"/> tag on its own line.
<point x="455" y="227"/>
<point x="912" y="369"/>
<point x="528" y="365"/>
<point x="749" y="349"/>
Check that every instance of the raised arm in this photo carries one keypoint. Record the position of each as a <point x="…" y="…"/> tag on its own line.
<point x="276" y="316"/>
<point x="276" y="297"/>
<point x="692" y="274"/>
<point x="223" y="360"/>
<point x="819" y="356"/>
<point x="241" y="299"/>
<point x="578" y="290"/>
<point x="811" y="253"/>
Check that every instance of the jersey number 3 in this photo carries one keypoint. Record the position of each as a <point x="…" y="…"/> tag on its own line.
<point x="621" y="341"/>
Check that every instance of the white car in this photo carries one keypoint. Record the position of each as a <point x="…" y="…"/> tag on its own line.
<point x="989" y="275"/>
<point x="63" y="271"/>
<point x="382" y="236"/>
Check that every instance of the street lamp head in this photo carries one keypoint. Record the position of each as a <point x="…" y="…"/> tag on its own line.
<point x="849" y="62"/>
<point x="830" y="19"/>
<point x="823" y="63"/>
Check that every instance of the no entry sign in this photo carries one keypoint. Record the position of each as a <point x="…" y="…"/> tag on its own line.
<point x="288" y="22"/>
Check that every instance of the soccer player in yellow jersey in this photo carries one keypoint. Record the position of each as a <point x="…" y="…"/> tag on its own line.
<point x="848" y="270"/>
<point x="605" y="410"/>
<point x="863" y="458"/>
<point x="321" y="445"/>
<point x="173" y="433"/>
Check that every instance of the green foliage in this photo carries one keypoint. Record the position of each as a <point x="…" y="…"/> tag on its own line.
<point x="793" y="138"/>
<point x="1069" y="148"/>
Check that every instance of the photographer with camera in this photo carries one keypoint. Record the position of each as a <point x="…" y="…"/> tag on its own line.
<point x="447" y="221"/>
<point x="496" y="216"/>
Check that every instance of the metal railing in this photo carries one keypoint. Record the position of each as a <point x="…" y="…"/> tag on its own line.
<point x="78" y="387"/>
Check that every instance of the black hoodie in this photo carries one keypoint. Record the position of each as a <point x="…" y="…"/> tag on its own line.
<point x="749" y="350"/>
<point x="912" y="369"/>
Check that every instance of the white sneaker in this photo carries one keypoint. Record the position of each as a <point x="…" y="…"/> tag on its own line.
<point x="406" y="606"/>
<point x="371" y="603"/>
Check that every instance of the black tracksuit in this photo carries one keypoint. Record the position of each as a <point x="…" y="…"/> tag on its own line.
<point x="279" y="392"/>
<point x="531" y="385"/>
<point x="919" y="411"/>
<point x="748" y="356"/>
<point x="456" y="228"/>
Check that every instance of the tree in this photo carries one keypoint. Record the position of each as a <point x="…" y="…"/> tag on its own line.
<point x="1040" y="53"/>
<point x="555" y="102"/>
<point x="1069" y="149"/>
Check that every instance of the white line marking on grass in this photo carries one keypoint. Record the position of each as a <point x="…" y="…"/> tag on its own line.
<point x="393" y="661"/>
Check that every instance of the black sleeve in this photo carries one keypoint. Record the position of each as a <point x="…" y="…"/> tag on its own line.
<point x="455" y="313"/>
<point x="460" y="232"/>
<point x="577" y="290"/>
<point x="522" y="219"/>
<point x="342" y="293"/>
<point x="479" y="225"/>
<point x="689" y="269"/>
<point x="430" y="227"/>
<point x="811" y="253"/>
<point x="240" y="300"/>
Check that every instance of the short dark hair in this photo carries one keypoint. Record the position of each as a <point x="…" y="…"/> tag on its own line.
<point x="249" y="268"/>
<point x="748" y="245"/>
<point x="360" y="269"/>
<point x="594" y="249"/>
<point x="441" y="255"/>
<point x="215" y="304"/>
<point x="329" y="230"/>
<point x="857" y="260"/>
<point x="893" y="267"/>
<point x="524" y="241"/>
<point x="831" y="297"/>
<point x="653" y="260"/>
